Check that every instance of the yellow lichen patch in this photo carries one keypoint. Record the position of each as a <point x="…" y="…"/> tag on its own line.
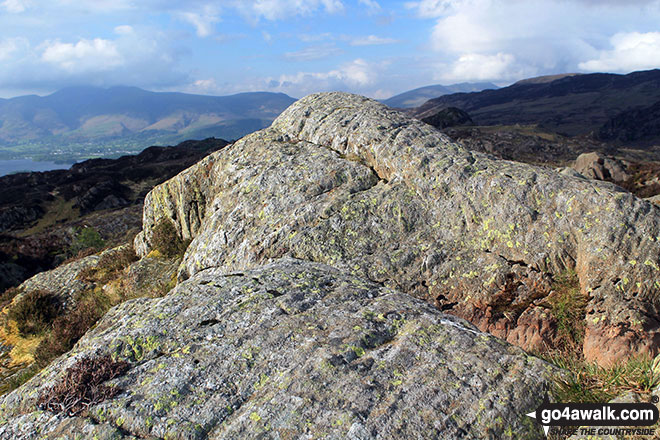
<point x="23" y="349"/>
<point x="154" y="254"/>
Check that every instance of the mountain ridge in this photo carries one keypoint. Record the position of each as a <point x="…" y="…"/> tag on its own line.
<point x="570" y="105"/>
<point x="416" y="97"/>
<point x="86" y="121"/>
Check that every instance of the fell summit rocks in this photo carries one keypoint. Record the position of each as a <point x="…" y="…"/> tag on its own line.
<point x="343" y="180"/>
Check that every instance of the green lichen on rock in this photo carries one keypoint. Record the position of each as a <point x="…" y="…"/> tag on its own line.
<point x="358" y="368"/>
<point x="343" y="180"/>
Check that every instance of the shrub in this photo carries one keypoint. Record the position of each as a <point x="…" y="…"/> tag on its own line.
<point x="35" y="311"/>
<point x="166" y="240"/>
<point x="69" y="328"/>
<point x="8" y="295"/>
<point x="86" y="238"/>
<point x="82" y="386"/>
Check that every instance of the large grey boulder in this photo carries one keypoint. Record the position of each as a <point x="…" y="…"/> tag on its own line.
<point x="599" y="166"/>
<point x="291" y="350"/>
<point x="343" y="180"/>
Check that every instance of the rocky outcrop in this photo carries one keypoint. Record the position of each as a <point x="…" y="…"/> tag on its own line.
<point x="526" y="144"/>
<point x="598" y="166"/>
<point x="449" y="117"/>
<point x="291" y="350"/>
<point x="343" y="180"/>
<point x="62" y="281"/>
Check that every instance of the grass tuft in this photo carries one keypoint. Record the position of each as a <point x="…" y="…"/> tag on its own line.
<point x="589" y="382"/>
<point x="568" y="307"/>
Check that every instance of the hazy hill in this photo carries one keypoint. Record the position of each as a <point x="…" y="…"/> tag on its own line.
<point x="419" y="96"/>
<point x="84" y="121"/>
<point x="570" y="105"/>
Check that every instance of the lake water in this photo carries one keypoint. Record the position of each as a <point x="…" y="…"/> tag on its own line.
<point x="16" y="165"/>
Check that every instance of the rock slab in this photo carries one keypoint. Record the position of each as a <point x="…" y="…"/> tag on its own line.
<point x="292" y="350"/>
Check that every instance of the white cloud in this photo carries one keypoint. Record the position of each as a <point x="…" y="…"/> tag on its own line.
<point x="313" y="53"/>
<point x="97" y="6"/>
<point x="86" y="55"/>
<point x="371" y="4"/>
<point x="478" y="67"/>
<point x="10" y="47"/>
<point x="514" y="39"/>
<point x="358" y="73"/>
<point x="142" y="58"/>
<point x="434" y="8"/>
<point x="372" y="40"/>
<point x="204" y="86"/>
<point x="355" y="76"/>
<point x="16" y="6"/>
<point x="123" y="30"/>
<point x="204" y="21"/>
<point x="630" y="51"/>
<point x="279" y="9"/>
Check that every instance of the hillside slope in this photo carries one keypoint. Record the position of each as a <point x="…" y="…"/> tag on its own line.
<point x="418" y="96"/>
<point x="570" y="105"/>
<point x="85" y="120"/>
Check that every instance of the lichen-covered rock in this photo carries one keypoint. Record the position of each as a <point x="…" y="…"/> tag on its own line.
<point x="346" y="181"/>
<point x="598" y="166"/>
<point x="183" y="199"/>
<point x="292" y="350"/>
<point x="62" y="281"/>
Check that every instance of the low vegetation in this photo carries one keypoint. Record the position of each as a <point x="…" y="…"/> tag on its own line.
<point x="7" y="296"/>
<point x="38" y="326"/>
<point x="68" y="328"/>
<point x="567" y="306"/>
<point x="166" y="240"/>
<point x="109" y="266"/>
<point x="587" y="381"/>
<point x="84" y="239"/>
<point x="89" y="307"/>
<point x="83" y="386"/>
<point x="35" y="311"/>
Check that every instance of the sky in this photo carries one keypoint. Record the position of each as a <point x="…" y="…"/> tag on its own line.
<point x="376" y="48"/>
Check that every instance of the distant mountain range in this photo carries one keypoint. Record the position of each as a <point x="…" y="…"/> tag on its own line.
<point x="615" y="108"/>
<point x="417" y="97"/>
<point x="80" y="122"/>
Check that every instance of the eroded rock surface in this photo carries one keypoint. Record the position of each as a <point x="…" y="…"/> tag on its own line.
<point x="291" y="350"/>
<point x="598" y="166"/>
<point x="343" y="180"/>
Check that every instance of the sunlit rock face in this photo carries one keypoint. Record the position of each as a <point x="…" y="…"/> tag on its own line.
<point x="343" y="180"/>
<point x="291" y="349"/>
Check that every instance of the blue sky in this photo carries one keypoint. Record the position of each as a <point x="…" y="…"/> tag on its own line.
<point x="373" y="47"/>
